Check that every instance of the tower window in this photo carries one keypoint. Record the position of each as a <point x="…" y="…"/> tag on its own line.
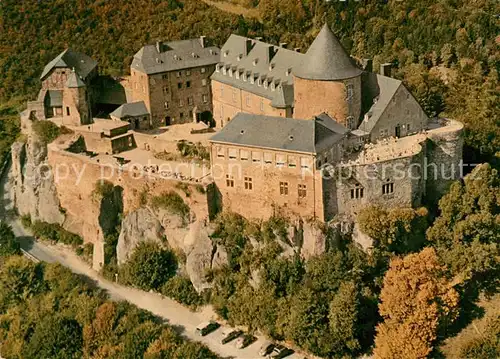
<point x="179" y="85"/>
<point x="284" y="188"/>
<point x="349" y="92"/>
<point x="388" y="188"/>
<point x="188" y="84"/>
<point x="357" y="192"/>
<point x="67" y="111"/>
<point x="248" y="183"/>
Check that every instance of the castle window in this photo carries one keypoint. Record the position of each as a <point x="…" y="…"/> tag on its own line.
<point x="280" y="160"/>
<point x="357" y="192"/>
<point x="165" y="90"/>
<point x="248" y="183"/>
<point x="233" y="153"/>
<point x="217" y="68"/>
<point x="203" y="82"/>
<point x="188" y="84"/>
<point x="256" y="156"/>
<point x="179" y="85"/>
<point x="349" y="92"/>
<point x="229" y="181"/>
<point x="292" y="161"/>
<point x="181" y="115"/>
<point x="179" y="73"/>
<point x="204" y="98"/>
<point x="188" y="72"/>
<point x="67" y="111"/>
<point x="268" y="158"/>
<point x="304" y="162"/>
<point x="190" y="100"/>
<point x="407" y="127"/>
<point x="221" y="152"/>
<point x="164" y="77"/>
<point x="202" y="70"/>
<point x="166" y="105"/>
<point x="350" y="122"/>
<point x="302" y="191"/>
<point x="388" y="188"/>
<point x="284" y="188"/>
<point x="244" y="155"/>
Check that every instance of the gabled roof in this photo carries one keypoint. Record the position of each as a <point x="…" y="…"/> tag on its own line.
<point x="174" y="55"/>
<point x="306" y="136"/>
<point x="74" y="81"/>
<point x="82" y="63"/>
<point x="132" y="109"/>
<point x="326" y="59"/>
<point x="383" y="89"/>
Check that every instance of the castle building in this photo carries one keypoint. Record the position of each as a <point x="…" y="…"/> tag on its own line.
<point x="65" y="91"/>
<point x="173" y="80"/>
<point x="318" y="137"/>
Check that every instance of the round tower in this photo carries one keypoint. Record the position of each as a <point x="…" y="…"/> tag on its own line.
<point x="328" y="81"/>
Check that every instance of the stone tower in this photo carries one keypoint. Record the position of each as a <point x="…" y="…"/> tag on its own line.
<point x="328" y="81"/>
<point x="76" y="110"/>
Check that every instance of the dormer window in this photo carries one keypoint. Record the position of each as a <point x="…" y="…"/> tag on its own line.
<point x="273" y="86"/>
<point x="244" y="77"/>
<point x="265" y="84"/>
<point x="255" y="62"/>
<point x="224" y="70"/>
<point x="252" y="80"/>
<point x="217" y="68"/>
<point x="259" y="82"/>
<point x="271" y="67"/>
<point x="238" y="75"/>
<point x="231" y="72"/>
<point x="288" y="71"/>
<point x="226" y="53"/>
<point x="239" y="57"/>
<point x="349" y="92"/>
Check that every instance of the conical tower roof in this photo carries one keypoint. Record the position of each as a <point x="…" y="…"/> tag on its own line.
<point x="326" y="59"/>
<point x="74" y="81"/>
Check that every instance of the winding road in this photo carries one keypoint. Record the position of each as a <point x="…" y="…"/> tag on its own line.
<point x="174" y="313"/>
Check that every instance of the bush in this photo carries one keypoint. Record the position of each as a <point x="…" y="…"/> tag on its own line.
<point x="172" y="202"/>
<point x="149" y="266"/>
<point x="46" y="131"/>
<point x="103" y="188"/>
<point x="26" y="221"/>
<point x="181" y="289"/>
<point x="54" y="232"/>
<point x="8" y="244"/>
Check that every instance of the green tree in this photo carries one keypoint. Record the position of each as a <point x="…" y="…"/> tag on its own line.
<point x="55" y="337"/>
<point x="8" y="243"/>
<point x="149" y="266"/>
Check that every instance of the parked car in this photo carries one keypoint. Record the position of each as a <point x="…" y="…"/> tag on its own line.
<point x="244" y="341"/>
<point x="207" y="328"/>
<point x="231" y="336"/>
<point x="266" y="348"/>
<point x="280" y="351"/>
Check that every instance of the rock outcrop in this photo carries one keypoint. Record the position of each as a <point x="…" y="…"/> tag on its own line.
<point x="33" y="189"/>
<point x="140" y="225"/>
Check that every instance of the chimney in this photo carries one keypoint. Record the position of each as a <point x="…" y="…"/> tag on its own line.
<point x="248" y="46"/>
<point x="203" y="40"/>
<point x="296" y="49"/>
<point x="158" y="46"/>
<point x="367" y="65"/>
<point x="385" y="69"/>
<point x="283" y="45"/>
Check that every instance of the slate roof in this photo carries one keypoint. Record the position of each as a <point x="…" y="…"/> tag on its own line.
<point x="381" y="90"/>
<point x="174" y="55"/>
<point x="253" y="58"/>
<point x="74" y="81"/>
<point x="54" y="98"/>
<point x="132" y="109"/>
<point x="306" y="136"/>
<point x="326" y="59"/>
<point x="82" y="63"/>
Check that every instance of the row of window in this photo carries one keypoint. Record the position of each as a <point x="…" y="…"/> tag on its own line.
<point x="358" y="191"/>
<point x="235" y="95"/>
<point x="186" y="73"/>
<point x="280" y="160"/>
<point x="283" y="186"/>
<point x="189" y="101"/>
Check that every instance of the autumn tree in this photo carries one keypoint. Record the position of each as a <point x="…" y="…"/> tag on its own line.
<point x="8" y="244"/>
<point x="416" y="301"/>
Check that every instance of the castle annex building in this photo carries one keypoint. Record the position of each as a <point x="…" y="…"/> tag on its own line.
<point x="316" y="136"/>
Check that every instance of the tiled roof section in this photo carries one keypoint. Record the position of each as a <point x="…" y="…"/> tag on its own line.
<point x="259" y="68"/>
<point x="381" y="90"/>
<point x="306" y="136"/>
<point x="175" y="55"/>
<point x="74" y="81"/>
<point x="326" y="59"/>
<point x="54" y="98"/>
<point x="130" y="110"/>
<point x="82" y="63"/>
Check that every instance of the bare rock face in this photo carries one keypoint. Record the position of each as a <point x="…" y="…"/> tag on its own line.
<point x="313" y="241"/>
<point x="364" y="240"/>
<point x="140" y="225"/>
<point x="175" y="227"/>
<point x="33" y="189"/>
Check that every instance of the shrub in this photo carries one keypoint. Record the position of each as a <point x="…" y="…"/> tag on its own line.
<point x="172" y="202"/>
<point x="26" y="220"/>
<point x="103" y="188"/>
<point x="8" y="244"/>
<point x="46" y="131"/>
<point x="149" y="266"/>
<point x="54" y="232"/>
<point x="181" y="289"/>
